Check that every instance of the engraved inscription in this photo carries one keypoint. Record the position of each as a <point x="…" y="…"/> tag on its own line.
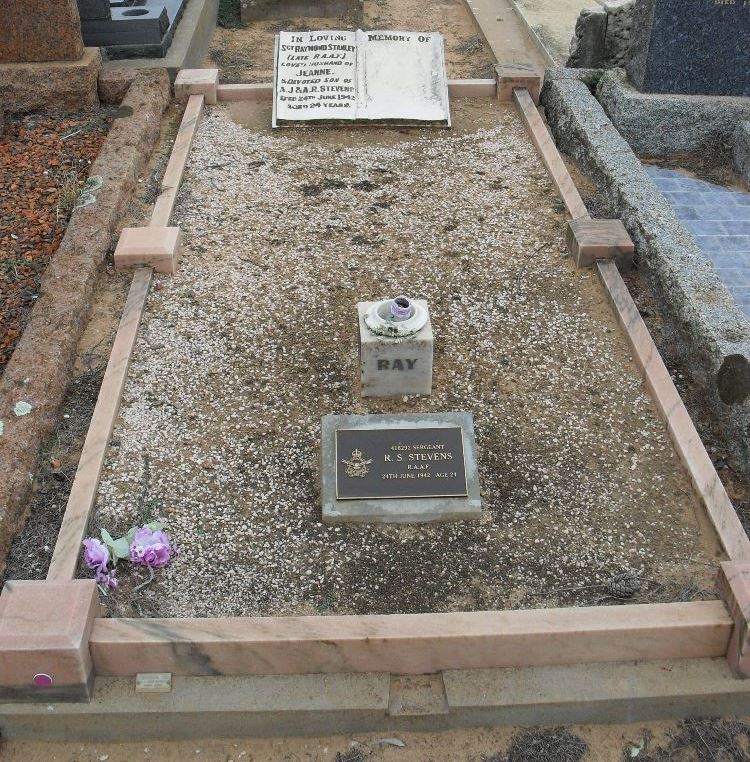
<point x="317" y="74"/>
<point x="397" y="364"/>
<point x="418" y="462"/>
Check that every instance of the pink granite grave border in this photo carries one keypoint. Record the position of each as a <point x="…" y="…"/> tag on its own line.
<point x="422" y="642"/>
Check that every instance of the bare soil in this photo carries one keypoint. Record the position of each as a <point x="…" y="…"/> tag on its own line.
<point x="44" y="162"/>
<point x="691" y="741"/>
<point x="245" y="54"/>
<point x="712" y="166"/>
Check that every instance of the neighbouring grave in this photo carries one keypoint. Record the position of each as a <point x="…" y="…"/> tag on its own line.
<point x="129" y="30"/>
<point x="395" y="347"/>
<point x="367" y="77"/>
<point x="698" y="47"/>
<point x="399" y="468"/>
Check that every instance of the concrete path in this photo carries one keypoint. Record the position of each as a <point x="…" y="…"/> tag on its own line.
<point x="506" y="33"/>
<point x="719" y="219"/>
<point x="553" y="22"/>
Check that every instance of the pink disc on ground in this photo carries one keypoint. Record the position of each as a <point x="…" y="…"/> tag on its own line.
<point x="42" y="680"/>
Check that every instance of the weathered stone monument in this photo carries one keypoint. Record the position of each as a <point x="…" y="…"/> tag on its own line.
<point x="395" y="347"/>
<point x="368" y="77"/>
<point x="43" y="62"/>
<point x="53" y="33"/>
<point x="399" y="468"/>
<point x="697" y="47"/>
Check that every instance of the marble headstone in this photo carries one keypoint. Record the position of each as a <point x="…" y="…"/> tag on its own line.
<point x="392" y="367"/>
<point x="696" y="47"/>
<point x="373" y="77"/>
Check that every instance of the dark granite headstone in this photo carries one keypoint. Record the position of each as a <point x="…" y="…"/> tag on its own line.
<point x="697" y="47"/>
<point x="92" y="10"/>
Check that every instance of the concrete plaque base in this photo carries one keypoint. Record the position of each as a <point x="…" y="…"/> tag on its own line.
<point x="416" y="465"/>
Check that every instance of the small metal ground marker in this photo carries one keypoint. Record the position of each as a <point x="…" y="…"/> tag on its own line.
<point x="417" y="695"/>
<point x="153" y="682"/>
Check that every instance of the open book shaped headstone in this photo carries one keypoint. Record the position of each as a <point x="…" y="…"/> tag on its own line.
<point x="360" y="77"/>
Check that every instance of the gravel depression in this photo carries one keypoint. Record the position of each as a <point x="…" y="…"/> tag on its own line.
<point x="255" y="339"/>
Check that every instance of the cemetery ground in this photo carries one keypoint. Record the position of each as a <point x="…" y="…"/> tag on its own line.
<point x="254" y="339"/>
<point x="690" y="741"/>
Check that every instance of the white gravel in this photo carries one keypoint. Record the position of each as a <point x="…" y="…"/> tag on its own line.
<point x="254" y="341"/>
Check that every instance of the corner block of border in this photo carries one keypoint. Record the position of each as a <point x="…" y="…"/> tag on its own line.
<point x="511" y="76"/>
<point x="733" y="584"/>
<point x="197" y="82"/>
<point x="44" y="640"/>
<point x="155" y="246"/>
<point x="589" y="240"/>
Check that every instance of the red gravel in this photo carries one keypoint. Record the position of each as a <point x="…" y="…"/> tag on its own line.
<point x="44" y="161"/>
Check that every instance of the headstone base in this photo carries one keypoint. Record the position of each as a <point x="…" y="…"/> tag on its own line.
<point x="143" y="31"/>
<point x="52" y="86"/>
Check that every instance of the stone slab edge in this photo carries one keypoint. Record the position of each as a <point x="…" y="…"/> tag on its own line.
<point x="40" y="369"/>
<point x="343" y="703"/>
<point x="701" y="317"/>
<point x="543" y="50"/>
<point x="504" y="33"/>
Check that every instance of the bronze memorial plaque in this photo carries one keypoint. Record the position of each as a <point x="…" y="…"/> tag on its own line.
<point x="400" y="463"/>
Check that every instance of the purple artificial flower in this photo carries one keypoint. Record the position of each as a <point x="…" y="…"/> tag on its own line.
<point x="151" y="548"/>
<point x="107" y="579"/>
<point x="95" y="554"/>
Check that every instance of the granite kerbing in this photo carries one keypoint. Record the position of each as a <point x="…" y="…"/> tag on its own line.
<point x="741" y="150"/>
<point x="702" y="321"/>
<point x="661" y="125"/>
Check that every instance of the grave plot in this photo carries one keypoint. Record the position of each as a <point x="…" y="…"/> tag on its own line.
<point x="254" y="340"/>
